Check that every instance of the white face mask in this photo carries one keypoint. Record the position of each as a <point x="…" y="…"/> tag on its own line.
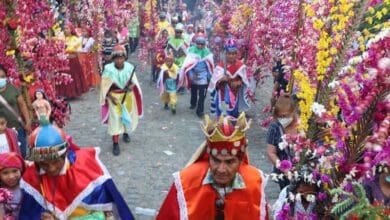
<point x="285" y="121"/>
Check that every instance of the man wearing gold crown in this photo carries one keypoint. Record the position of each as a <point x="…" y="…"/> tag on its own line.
<point x="218" y="183"/>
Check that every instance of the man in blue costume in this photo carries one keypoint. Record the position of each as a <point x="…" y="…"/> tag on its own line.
<point x="197" y="70"/>
<point x="66" y="182"/>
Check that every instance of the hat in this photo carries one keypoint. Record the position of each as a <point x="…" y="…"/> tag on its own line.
<point x="180" y="27"/>
<point x="231" y="45"/>
<point x="47" y="142"/>
<point x="118" y="51"/>
<point x="11" y="160"/>
<point x="226" y="135"/>
<point x="200" y="38"/>
<point x="190" y="26"/>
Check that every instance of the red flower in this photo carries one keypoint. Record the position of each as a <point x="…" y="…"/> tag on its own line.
<point x="13" y="23"/>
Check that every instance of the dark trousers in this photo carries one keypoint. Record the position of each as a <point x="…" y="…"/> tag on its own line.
<point x="22" y="139"/>
<point x="133" y="44"/>
<point x="198" y="95"/>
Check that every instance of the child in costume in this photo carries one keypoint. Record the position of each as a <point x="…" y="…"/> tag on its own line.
<point x="11" y="170"/>
<point x="8" y="137"/>
<point x="230" y="84"/>
<point x="167" y="82"/>
<point x="178" y="45"/>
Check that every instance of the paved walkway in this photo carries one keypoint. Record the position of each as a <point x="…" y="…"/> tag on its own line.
<point x="143" y="172"/>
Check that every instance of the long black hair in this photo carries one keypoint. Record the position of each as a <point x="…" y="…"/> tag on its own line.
<point x="3" y="68"/>
<point x="42" y="92"/>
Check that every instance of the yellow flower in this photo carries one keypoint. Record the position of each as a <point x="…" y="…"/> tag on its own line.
<point x="362" y="48"/>
<point x="371" y="10"/>
<point x="333" y="51"/>
<point x="342" y="25"/>
<point x="318" y="24"/>
<point x="384" y="11"/>
<point x="310" y="12"/>
<point x="369" y="20"/>
<point x="379" y="15"/>
<point x="307" y="94"/>
<point x="344" y="8"/>
<point x="10" y="53"/>
<point x="337" y="38"/>
<point x="322" y="43"/>
<point x="351" y="13"/>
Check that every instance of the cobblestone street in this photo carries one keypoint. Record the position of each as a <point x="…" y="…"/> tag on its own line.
<point x="143" y="172"/>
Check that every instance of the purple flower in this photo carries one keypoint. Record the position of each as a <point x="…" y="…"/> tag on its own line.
<point x="316" y="174"/>
<point x="284" y="213"/>
<point x="285" y="165"/>
<point x="348" y="187"/>
<point x="322" y="196"/>
<point x="325" y="178"/>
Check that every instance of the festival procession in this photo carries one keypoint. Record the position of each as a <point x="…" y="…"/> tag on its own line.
<point x="194" y="109"/>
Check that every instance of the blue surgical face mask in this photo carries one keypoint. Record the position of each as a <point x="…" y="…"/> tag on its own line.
<point x="387" y="178"/>
<point x="3" y="82"/>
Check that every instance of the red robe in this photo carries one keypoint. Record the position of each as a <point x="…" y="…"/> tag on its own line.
<point x="189" y="199"/>
<point x="12" y="139"/>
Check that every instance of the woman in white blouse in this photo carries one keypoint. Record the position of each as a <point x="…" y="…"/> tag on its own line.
<point x="87" y="41"/>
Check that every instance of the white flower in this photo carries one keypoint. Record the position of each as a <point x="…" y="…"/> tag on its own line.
<point x="372" y="72"/>
<point x="384" y="63"/>
<point x="365" y="55"/>
<point x="282" y="145"/>
<point x="377" y="147"/>
<point x="289" y="175"/>
<point x="330" y="123"/>
<point x="296" y="174"/>
<point x="286" y="68"/>
<point x="291" y="196"/>
<point x="335" y="198"/>
<point x="353" y="172"/>
<point x="298" y="197"/>
<point x="318" y="109"/>
<point x="333" y="84"/>
<point x="310" y="198"/>
<point x="277" y="163"/>
<point x="355" y="60"/>
<point x="274" y="177"/>
<point x="322" y="160"/>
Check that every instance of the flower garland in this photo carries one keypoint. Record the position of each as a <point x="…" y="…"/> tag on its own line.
<point x="28" y="38"/>
<point x="149" y="23"/>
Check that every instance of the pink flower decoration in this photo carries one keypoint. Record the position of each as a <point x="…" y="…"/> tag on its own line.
<point x="285" y="165"/>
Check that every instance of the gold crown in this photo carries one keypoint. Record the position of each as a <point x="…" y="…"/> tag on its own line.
<point x="226" y="135"/>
